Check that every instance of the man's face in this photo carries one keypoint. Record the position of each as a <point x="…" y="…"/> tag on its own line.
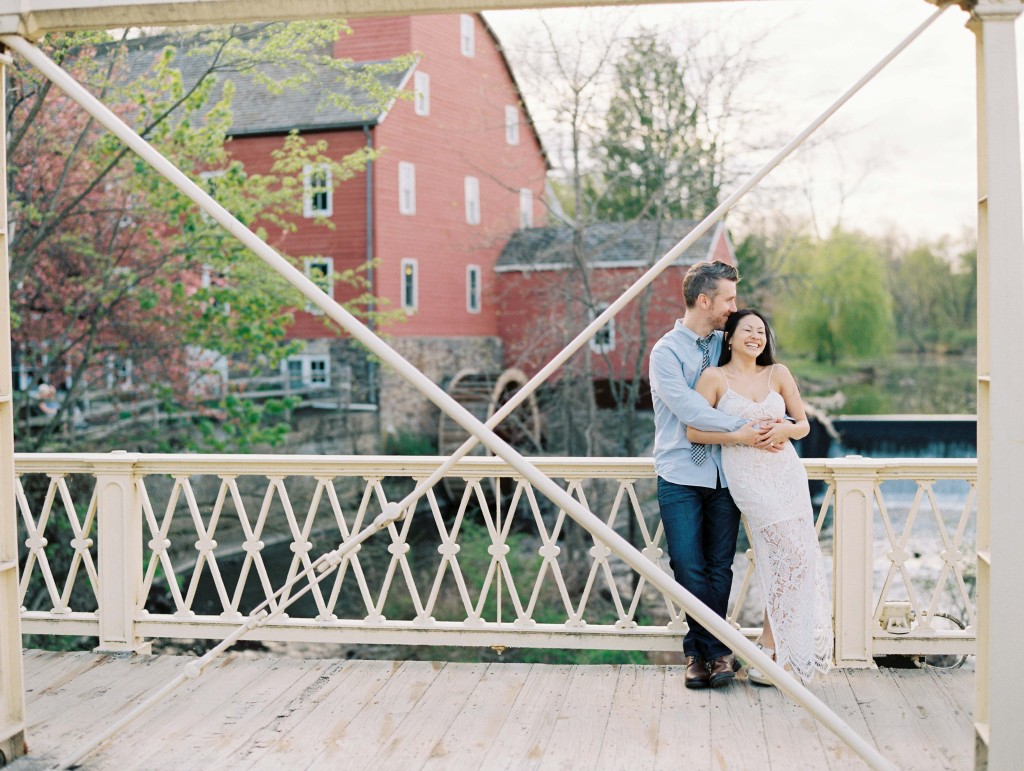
<point x="722" y="304"/>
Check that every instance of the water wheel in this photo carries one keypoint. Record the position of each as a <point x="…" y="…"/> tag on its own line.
<point x="483" y="394"/>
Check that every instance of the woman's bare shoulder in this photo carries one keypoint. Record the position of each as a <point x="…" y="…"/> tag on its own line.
<point x="782" y="375"/>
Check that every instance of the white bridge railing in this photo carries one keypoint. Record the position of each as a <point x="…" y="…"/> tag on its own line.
<point x="125" y="547"/>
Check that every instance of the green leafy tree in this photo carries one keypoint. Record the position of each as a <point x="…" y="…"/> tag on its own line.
<point x="657" y="156"/>
<point x="928" y="311"/>
<point x="840" y="304"/>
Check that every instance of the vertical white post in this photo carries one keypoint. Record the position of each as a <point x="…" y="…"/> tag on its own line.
<point x="12" y="687"/>
<point x="119" y="545"/>
<point x="999" y="742"/>
<point x="852" y="557"/>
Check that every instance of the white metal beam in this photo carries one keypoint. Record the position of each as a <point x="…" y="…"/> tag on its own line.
<point x="12" y="688"/>
<point x="999" y="742"/>
<point x="32" y="18"/>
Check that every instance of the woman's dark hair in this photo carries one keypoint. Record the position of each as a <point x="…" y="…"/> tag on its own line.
<point x="767" y="356"/>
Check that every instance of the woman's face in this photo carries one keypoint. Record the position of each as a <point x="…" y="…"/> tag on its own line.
<point x="750" y="336"/>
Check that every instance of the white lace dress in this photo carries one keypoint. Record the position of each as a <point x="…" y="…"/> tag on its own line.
<point x="771" y="491"/>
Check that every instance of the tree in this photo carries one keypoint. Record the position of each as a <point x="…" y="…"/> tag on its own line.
<point x="937" y="290"/>
<point x="117" y="277"/>
<point x="656" y="158"/>
<point x="640" y="133"/>
<point x="840" y="304"/>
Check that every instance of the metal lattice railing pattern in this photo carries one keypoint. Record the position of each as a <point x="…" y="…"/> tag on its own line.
<point x="498" y="565"/>
<point x="932" y="528"/>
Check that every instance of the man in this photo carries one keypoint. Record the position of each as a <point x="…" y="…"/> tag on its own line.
<point x="701" y="521"/>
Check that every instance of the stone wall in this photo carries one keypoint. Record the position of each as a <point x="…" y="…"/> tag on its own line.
<point x="405" y="409"/>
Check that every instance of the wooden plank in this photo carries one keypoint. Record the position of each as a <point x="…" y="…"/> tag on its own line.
<point x="737" y="732"/>
<point x="277" y="713"/>
<point x="207" y="712"/>
<point x="169" y="720"/>
<point x="888" y="719"/>
<point x="38" y="662"/>
<point x="60" y="672"/>
<point x="582" y="718"/>
<point x="62" y="720"/>
<point x="937" y="723"/>
<point x="420" y="733"/>
<point x="294" y="727"/>
<point x="631" y="733"/>
<point x="352" y="743"/>
<point x="66" y="711"/>
<point x="471" y="733"/>
<point x="684" y="725"/>
<point x="836" y="691"/>
<point x="526" y="734"/>
<point x="790" y="732"/>
<point x="958" y="684"/>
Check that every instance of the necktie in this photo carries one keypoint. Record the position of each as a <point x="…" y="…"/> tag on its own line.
<point x="699" y="452"/>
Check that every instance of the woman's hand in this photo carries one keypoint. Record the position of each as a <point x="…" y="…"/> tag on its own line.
<point x="752" y="435"/>
<point x="773" y="436"/>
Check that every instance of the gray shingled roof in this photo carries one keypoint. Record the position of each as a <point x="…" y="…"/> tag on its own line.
<point x="606" y="244"/>
<point x="254" y="109"/>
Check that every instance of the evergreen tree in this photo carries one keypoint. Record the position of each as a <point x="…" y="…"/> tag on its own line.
<point x="657" y="159"/>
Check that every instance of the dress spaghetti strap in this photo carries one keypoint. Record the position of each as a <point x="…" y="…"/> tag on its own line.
<point x="770" y="373"/>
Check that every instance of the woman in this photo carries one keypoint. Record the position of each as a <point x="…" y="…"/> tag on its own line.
<point x="770" y="488"/>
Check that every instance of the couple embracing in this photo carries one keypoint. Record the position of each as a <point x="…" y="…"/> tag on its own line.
<point x="722" y="446"/>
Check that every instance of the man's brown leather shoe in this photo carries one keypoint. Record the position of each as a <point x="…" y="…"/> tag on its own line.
<point x="697" y="675"/>
<point x="723" y="669"/>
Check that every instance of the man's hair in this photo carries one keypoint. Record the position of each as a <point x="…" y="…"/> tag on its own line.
<point x="703" y="278"/>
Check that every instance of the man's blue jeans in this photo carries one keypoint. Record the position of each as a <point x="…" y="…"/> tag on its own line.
<point x="701" y="525"/>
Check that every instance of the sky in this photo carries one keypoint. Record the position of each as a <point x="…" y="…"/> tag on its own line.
<point x="899" y="158"/>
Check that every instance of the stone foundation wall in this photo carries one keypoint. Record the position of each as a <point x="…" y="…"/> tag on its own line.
<point x="402" y="407"/>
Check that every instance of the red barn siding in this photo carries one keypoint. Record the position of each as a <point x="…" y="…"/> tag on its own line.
<point x="346" y="243"/>
<point x="540" y="314"/>
<point x="464" y="135"/>
<point x="536" y="321"/>
<point x="375" y="38"/>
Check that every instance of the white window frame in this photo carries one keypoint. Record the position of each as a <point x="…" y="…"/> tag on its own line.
<point x="206" y="282"/>
<point x="525" y="207"/>
<point x="603" y="340"/>
<point x="118" y="372"/>
<point x="410" y="284"/>
<point x="512" y="120"/>
<point x="421" y="93"/>
<point x="325" y="280"/>
<point x="472" y="190"/>
<point x="474" y="288"/>
<point x="467" y="31"/>
<point x="310" y="190"/>
<point x="23" y="372"/>
<point x="406" y="187"/>
<point x="314" y="371"/>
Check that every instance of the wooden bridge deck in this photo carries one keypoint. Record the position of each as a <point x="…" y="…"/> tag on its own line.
<point x="286" y="713"/>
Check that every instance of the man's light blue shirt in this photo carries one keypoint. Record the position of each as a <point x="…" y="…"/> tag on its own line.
<point x="675" y="368"/>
